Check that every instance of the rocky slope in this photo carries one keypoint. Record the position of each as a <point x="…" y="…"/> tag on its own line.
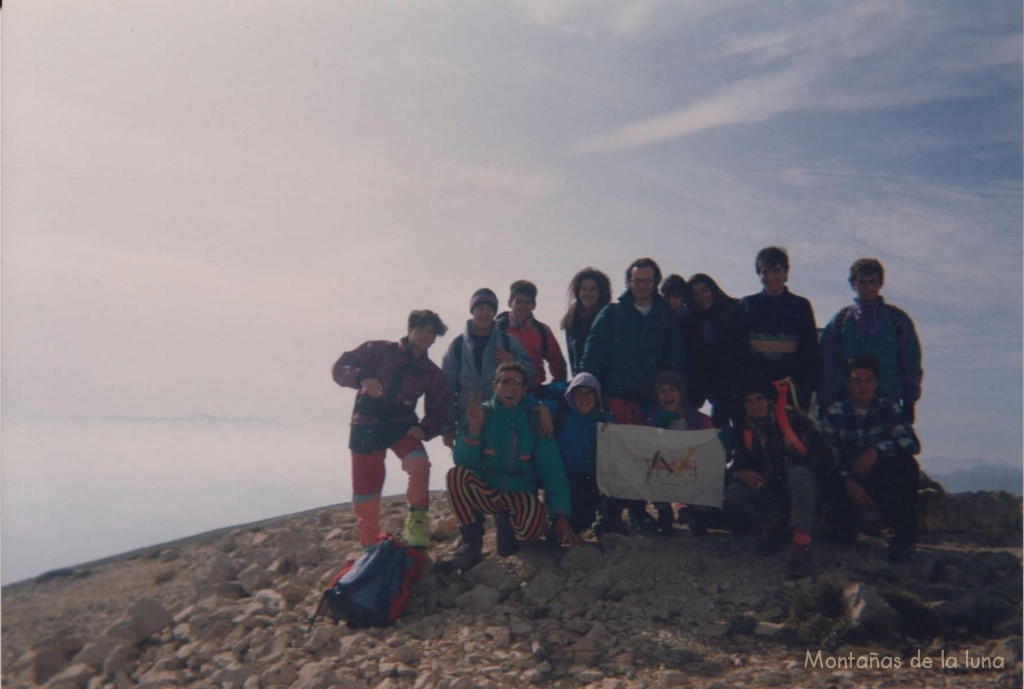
<point x="230" y="609"/>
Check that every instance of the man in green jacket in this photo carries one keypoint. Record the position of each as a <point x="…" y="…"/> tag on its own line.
<point x="630" y="343"/>
<point x="501" y="460"/>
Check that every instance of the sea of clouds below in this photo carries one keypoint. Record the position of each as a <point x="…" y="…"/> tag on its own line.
<point x="77" y="491"/>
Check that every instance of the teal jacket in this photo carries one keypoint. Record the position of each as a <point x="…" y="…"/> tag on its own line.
<point x="511" y="456"/>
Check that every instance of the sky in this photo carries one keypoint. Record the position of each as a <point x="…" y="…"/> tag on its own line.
<point x="205" y="204"/>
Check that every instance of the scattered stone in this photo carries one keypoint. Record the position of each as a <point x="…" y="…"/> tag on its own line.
<point x="144" y="617"/>
<point x="75" y="675"/>
<point x="255" y="578"/>
<point x="868" y="615"/>
<point x="480" y="598"/>
<point x="543" y="618"/>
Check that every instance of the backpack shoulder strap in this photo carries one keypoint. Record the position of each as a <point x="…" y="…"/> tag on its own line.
<point x="544" y="331"/>
<point x="459" y="341"/>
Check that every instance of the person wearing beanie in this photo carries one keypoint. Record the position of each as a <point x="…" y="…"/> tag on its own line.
<point x="474" y="356"/>
<point x="779" y="456"/>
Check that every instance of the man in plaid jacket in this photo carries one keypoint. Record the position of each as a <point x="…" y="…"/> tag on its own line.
<point x="875" y="446"/>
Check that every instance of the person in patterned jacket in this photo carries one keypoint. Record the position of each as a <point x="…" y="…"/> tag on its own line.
<point x="874" y="446"/>
<point x="391" y="377"/>
<point x="871" y="327"/>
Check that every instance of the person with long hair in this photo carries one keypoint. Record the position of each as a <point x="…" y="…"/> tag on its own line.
<point x="711" y="312"/>
<point x="590" y="290"/>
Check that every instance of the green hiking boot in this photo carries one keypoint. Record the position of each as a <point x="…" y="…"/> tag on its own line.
<point x="415" y="533"/>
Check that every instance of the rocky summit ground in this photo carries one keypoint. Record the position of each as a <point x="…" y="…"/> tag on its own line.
<point x="230" y="609"/>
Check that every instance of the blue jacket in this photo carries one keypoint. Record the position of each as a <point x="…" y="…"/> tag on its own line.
<point x="626" y="350"/>
<point x="577" y="433"/>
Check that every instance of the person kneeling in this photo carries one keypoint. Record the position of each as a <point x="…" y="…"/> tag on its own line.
<point x="501" y="460"/>
<point x="875" y="446"/>
<point x="778" y="458"/>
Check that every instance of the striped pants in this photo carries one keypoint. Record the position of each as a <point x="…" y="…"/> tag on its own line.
<point x="471" y="497"/>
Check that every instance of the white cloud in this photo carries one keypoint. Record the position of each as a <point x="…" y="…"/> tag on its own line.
<point x="751" y="100"/>
<point x="600" y="18"/>
<point x="865" y="56"/>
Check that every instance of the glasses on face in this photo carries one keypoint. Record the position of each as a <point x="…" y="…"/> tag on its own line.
<point x="641" y="281"/>
<point x="511" y="382"/>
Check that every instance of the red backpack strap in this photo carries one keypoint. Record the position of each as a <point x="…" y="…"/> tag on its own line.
<point x="782" y="387"/>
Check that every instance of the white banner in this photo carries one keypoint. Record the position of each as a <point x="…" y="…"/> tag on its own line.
<point x="658" y="465"/>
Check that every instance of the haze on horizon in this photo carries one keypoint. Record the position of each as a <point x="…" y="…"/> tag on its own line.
<point x="206" y="203"/>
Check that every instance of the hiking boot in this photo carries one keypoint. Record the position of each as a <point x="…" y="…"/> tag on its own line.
<point x="665" y="521"/>
<point x="471" y="545"/>
<point x="608" y="522"/>
<point x="800" y="562"/>
<point x="699" y="521"/>
<point x="640" y="520"/>
<point x="504" y="536"/>
<point x="415" y="533"/>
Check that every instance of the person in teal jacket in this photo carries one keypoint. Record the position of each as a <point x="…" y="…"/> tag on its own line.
<point x="501" y="460"/>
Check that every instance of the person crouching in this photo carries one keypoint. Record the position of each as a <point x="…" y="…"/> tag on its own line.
<point x="501" y="460"/>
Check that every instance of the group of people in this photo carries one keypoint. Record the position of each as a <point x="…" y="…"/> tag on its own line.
<point x="504" y="401"/>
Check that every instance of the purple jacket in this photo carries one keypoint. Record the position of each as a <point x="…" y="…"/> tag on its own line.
<point x="404" y="379"/>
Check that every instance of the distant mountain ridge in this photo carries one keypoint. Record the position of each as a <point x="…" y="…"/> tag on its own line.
<point x="970" y="475"/>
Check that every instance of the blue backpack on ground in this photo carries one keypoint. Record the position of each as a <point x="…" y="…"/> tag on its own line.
<point x="372" y="590"/>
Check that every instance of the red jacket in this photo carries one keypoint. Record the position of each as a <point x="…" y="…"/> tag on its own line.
<point x="404" y="379"/>
<point x="540" y="343"/>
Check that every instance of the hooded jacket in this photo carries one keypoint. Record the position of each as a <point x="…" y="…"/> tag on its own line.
<point x="577" y="432"/>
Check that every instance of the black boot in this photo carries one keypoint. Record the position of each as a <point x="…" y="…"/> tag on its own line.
<point x="471" y="545"/>
<point x="504" y="536"/>
<point x="666" y="519"/>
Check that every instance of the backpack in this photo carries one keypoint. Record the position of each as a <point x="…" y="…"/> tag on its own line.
<point x="372" y="590"/>
<point x="505" y="344"/>
<point x="503" y="320"/>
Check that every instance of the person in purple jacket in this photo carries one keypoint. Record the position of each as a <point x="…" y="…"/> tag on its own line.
<point x="871" y="327"/>
<point x="391" y="377"/>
